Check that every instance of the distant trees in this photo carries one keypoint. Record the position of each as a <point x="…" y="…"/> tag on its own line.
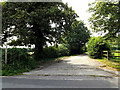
<point x="78" y="37"/>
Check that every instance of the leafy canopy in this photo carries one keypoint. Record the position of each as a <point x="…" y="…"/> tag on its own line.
<point x="31" y="22"/>
<point x="77" y="38"/>
<point x="105" y="17"/>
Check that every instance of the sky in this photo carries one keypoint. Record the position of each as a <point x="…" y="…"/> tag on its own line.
<point x="81" y="8"/>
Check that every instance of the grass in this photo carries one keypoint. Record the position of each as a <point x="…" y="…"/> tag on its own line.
<point x="114" y="62"/>
<point x="30" y="53"/>
<point x="116" y="59"/>
<point x="116" y="54"/>
<point x="111" y="63"/>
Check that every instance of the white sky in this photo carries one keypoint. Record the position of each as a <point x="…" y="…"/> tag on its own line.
<point x="81" y="7"/>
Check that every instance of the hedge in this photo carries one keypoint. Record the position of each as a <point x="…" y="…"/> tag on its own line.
<point x="96" y="45"/>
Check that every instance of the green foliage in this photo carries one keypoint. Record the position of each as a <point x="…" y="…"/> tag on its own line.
<point x="17" y="54"/>
<point x="96" y="45"/>
<point x="84" y="49"/>
<point x="63" y="50"/>
<point x="114" y="63"/>
<point x="50" y="52"/>
<point x="114" y="43"/>
<point x="105" y="17"/>
<point x="54" y="52"/>
<point x="31" y="23"/>
<point x="77" y="38"/>
<point x="18" y="61"/>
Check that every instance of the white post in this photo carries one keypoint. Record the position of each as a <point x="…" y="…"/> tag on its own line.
<point x="6" y="54"/>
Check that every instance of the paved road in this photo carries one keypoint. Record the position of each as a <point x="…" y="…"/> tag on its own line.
<point x="72" y="72"/>
<point x="39" y="83"/>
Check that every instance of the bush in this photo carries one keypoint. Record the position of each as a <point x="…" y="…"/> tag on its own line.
<point x="63" y="50"/>
<point x="95" y="47"/>
<point x="50" y="52"/>
<point x="18" y="61"/>
<point x="16" y="55"/>
<point x="83" y="49"/>
<point x="53" y="52"/>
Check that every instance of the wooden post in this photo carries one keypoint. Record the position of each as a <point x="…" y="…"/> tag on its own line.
<point x="6" y="54"/>
<point x="107" y="55"/>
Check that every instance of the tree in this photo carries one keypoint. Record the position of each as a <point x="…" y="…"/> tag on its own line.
<point x="78" y="37"/>
<point x="105" y="17"/>
<point x="31" y="23"/>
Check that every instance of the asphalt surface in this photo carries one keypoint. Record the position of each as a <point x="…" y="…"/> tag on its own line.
<point x="39" y="83"/>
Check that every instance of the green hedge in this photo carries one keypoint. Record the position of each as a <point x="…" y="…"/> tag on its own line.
<point x="96" y="45"/>
<point x="61" y="50"/>
<point x="50" y="52"/>
<point x="17" y="55"/>
<point x="18" y="61"/>
<point x="53" y="52"/>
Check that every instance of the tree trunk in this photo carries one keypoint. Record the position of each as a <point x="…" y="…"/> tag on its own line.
<point x="39" y="42"/>
<point x="38" y="50"/>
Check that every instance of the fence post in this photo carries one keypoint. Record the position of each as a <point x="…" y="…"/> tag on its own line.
<point x="107" y="55"/>
<point x="6" y="54"/>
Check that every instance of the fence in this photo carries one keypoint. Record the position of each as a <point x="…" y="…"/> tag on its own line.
<point x="106" y="54"/>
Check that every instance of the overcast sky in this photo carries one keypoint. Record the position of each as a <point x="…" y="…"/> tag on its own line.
<point x="81" y="7"/>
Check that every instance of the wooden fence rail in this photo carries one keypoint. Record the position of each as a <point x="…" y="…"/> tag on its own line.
<point x="107" y="53"/>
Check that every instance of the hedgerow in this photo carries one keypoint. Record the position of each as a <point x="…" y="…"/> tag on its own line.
<point x="96" y="46"/>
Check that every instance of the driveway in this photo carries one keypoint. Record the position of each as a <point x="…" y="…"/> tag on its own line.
<point x="75" y="71"/>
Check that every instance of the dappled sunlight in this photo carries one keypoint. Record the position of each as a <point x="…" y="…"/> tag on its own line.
<point x="80" y="60"/>
<point x="71" y="66"/>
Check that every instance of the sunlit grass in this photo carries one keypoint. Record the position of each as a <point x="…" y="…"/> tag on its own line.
<point x="111" y="63"/>
<point x="30" y="53"/>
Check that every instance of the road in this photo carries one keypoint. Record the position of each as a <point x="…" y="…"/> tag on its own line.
<point x="71" y="72"/>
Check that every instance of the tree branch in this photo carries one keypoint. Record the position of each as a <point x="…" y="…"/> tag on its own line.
<point x="112" y="4"/>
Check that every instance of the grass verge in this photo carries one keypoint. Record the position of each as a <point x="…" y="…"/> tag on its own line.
<point x="110" y="63"/>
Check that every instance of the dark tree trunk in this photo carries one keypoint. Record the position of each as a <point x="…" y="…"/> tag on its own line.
<point x="39" y="43"/>
<point x="38" y="51"/>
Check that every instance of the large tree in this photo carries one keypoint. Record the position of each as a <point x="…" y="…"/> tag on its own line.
<point x="31" y="23"/>
<point x="105" y="17"/>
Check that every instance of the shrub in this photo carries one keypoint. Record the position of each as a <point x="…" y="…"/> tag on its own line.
<point x="84" y="49"/>
<point x="18" y="61"/>
<point x="16" y="55"/>
<point x="50" y="52"/>
<point x="54" y="52"/>
<point x="95" y="47"/>
<point x="63" y="50"/>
